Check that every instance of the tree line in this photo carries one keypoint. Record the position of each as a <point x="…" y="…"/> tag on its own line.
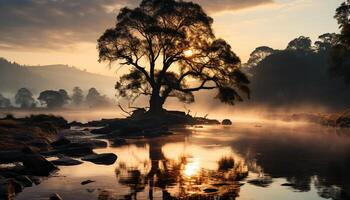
<point x="53" y="99"/>
<point x="305" y="73"/>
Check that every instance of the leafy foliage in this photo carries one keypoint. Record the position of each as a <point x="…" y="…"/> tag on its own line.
<point x="154" y="40"/>
<point x="53" y="99"/>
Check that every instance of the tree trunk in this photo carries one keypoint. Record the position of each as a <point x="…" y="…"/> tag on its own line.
<point x="156" y="104"/>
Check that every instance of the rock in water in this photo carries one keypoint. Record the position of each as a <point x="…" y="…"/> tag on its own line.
<point x="66" y="161"/>
<point x="86" y="182"/>
<point x="226" y="122"/>
<point x="102" y="159"/>
<point x="60" y="142"/>
<point x="55" y="197"/>
<point x="38" y="165"/>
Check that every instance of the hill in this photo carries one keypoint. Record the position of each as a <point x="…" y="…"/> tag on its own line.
<point x="38" y="78"/>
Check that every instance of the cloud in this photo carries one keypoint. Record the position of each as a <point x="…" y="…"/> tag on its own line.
<point x="52" y="24"/>
<point x="228" y="5"/>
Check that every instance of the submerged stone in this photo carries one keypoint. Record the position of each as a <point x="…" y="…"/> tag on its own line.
<point x="226" y="122"/>
<point x="102" y="159"/>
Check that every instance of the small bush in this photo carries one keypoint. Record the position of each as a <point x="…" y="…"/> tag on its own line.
<point x="226" y="163"/>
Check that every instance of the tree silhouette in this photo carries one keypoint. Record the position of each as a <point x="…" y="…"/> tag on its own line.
<point x="301" y="43"/>
<point x="77" y="96"/>
<point x="259" y="54"/>
<point x="298" y="76"/>
<point x="53" y="99"/>
<point x="167" y="44"/>
<point x="340" y="55"/>
<point x="24" y="98"/>
<point x="95" y="99"/>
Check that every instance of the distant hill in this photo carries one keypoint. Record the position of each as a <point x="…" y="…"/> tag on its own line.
<point x="38" y="78"/>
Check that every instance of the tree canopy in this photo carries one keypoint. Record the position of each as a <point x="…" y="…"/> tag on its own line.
<point x="340" y="55"/>
<point x="53" y="99"/>
<point x="77" y="96"/>
<point x="24" y="98"/>
<point x="172" y="51"/>
<point x="298" y="76"/>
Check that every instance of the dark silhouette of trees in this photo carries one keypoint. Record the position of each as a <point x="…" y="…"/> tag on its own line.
<point x="340" y="55"/>
<point x="167" y="43"/>
<point x="301" y="44"/>
<point x="95" y="99"/>
<point x="53" y="99"/>
<point x="4" y="102"/>
<point x="65" y="95"/>
<point x="77" y="96"/>
<point x="259" y="54"/>
<point x="298" y="75"/>
<point x="24" y="98"/>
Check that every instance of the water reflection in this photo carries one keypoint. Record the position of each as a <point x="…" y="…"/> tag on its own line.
<point x="272" y="161"/>
<point x="179" y="178"/>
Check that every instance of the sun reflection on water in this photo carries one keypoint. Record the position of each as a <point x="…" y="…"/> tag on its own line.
<point x="192" y="168"/>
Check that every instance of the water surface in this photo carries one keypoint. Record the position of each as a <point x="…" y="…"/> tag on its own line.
<point x="271" y="161"/>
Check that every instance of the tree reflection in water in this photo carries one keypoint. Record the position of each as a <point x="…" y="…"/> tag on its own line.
<point x="178" y="179"/>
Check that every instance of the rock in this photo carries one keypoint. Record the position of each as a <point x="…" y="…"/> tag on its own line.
<point x="55" y="197"/>
<point x="37" y="165"/>
<point x="24" y="180"/>
<point x="10" y="156"/>
<point x="72" y="149"/>
<point x="102" y="159"/>
<point x="226" y="122"/>
<point x="288" y="184"/>
<point x="40" y="143"/>
<point x="86" y="182"/>
<point x="119" y="142"/>
<point x="66" y="161"/>
<point x="210" y="190"/>
<point x="30" y="150"/>
<point x="36" y="180"/>
<point x="60" y="142"/>
<point x="75" y="123"/>
<point x="98" y="143"/>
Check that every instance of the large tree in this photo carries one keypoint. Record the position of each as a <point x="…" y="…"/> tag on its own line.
<point x="167" y="44"/>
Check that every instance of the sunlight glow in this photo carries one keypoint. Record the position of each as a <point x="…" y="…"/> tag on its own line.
<point x="192" y="168"/>
<point x="188" y="53"/>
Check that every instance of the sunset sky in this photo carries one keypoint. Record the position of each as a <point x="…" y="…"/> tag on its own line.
<point x="65" y="31"/>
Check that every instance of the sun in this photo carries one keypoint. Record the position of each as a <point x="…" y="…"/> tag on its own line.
<point x="188" y="53"/>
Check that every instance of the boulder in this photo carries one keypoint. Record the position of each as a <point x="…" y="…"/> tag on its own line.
<point x="10" y="156"/>
<point x="66" y="161"/>
<point x="98" y="143"/>
<point x="119" y="142"/>
<point x="37" y="165"/>
<point x="101" y="159"/>
<point x="60" y="142"/>
<point x="226" y="122"/>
